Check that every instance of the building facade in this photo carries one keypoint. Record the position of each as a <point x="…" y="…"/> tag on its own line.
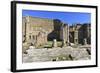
<point x="80" y="33"/>
<point x="38" y="31"/>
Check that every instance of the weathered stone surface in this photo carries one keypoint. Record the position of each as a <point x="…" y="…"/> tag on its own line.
<point x="39" y="31"/>
<point x="56" y="54"/>
<point x="85" y="41"/>
<point x="54" y="43"/>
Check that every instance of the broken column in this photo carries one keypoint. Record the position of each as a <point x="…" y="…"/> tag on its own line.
<point x="54" y="43"/>
<point x="64" y="34"/>
<point x="76" y="37"/>
<point x="85" y="41"/>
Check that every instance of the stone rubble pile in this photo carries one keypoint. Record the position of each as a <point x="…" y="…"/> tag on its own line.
<point x="55" y="54"/>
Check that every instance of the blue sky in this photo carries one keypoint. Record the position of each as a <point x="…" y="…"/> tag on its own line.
<point x="66" y="17"/>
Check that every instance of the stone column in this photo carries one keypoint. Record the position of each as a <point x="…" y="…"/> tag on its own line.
<point x="64" y="43"/>
<point x="76" y="37"/>
<point x="68" y="35"/>
<point x="85" y="41"/>
<point x="54" y="43"/>
<point x="27" y="30"/>
<point x="65" y="35"/>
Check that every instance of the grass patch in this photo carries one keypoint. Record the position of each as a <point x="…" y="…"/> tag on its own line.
<point x="59" y="43"/>
<point x="49" y="44"/>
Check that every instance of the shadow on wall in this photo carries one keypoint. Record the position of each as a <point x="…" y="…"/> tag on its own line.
<point x="85" y="33"/>
<point x="55" y="34"/>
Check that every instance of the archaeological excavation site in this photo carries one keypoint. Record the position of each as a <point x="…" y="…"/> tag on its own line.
<point x="53" y="40"/>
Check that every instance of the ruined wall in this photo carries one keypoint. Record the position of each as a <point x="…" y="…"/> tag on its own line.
<point x="79" y="33"/>
<point x="41" y="39"/>
<point x="55" y="29"/>
<point x="41" y="23"/>
<point x="51" y="27"/>
<point x="31" y="24"/>
<point x="87" y="32"/>
<point x="23" y="28"/>
<point x="64" y="34"/>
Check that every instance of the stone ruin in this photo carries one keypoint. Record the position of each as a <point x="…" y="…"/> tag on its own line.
<point x="38" y="31"/>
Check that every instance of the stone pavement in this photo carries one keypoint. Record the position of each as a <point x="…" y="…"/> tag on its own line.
<point x="56" y="54"/>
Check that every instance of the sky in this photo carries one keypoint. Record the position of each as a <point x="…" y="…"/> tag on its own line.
<point x="66" y="17"/>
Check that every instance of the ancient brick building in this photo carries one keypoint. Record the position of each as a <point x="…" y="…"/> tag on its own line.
<point x="80" y="33"/>
<point x="40" y="30"/>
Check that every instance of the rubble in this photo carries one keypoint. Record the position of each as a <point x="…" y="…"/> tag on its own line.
<point x="56" y="54"/>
